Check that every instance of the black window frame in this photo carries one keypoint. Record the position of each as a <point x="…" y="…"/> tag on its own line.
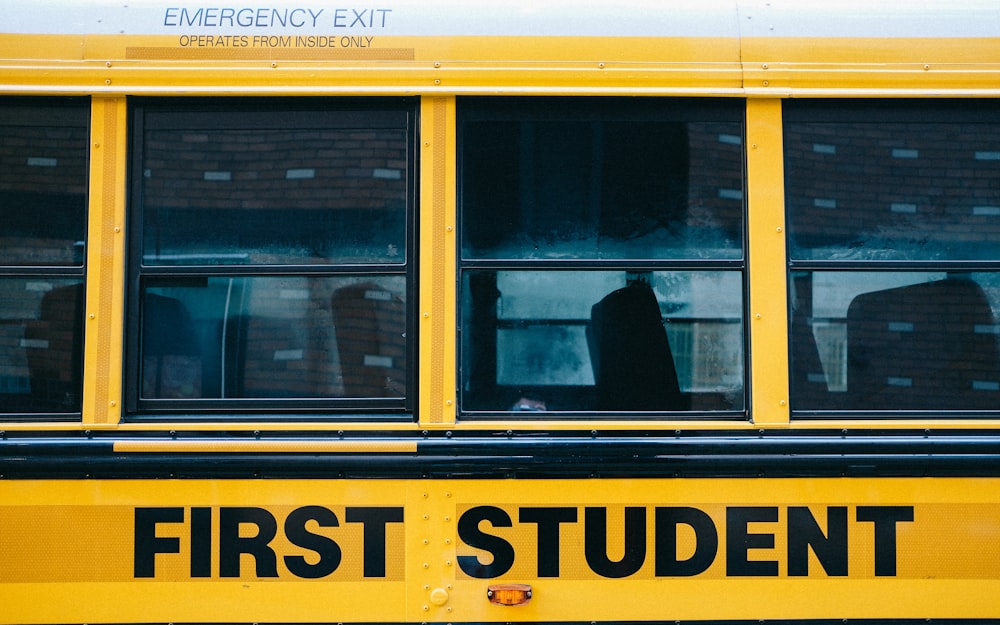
<point x="872" y="111"/>
<point x="245" y="114"/>
<point x="56" y="111"/>
<point x="601" y="109"/>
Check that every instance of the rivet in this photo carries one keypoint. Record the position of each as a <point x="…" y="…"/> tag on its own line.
<point x="600" y="65"/>
<point x="766" y="83"/>
<point x="108" y="64"/>
<point x="437" y="64"/>
<point x="113" y="403"/>
<point x="437" y="81"/>
<point x="449" y="228"/>
<point x="763" y="66"/>
<point x="107" y="81"/>
<point x="778" y="229"/>
<point x="426" y="315"/>
<point x="927" y="67"/>
<point x="758" y="316"/>
<point x="448" y="403"/>
<point x="783" y="402"/>
<point x="274" y="64"/>
<point x="118" y="229"/>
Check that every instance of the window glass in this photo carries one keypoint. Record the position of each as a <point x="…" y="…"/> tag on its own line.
<point x="602" y="255"/>
<point x="303" y="188"/>
<point x="603" y="340"/>
<point x="570" y="180"/>
<point x="43" y="184"/>
<point x="894" y="217"/>
<point x="43" y="216"/>
<point x="274" y="336"/>
<point x="273" y="256"/>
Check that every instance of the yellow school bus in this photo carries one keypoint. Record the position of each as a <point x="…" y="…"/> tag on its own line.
<point x="443" y="312"/>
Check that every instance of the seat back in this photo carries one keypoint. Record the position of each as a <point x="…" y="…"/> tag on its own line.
<point x="630" y="353"/>
<point x="928" y="346"/>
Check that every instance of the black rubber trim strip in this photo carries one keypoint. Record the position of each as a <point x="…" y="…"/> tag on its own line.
<point x="522" y="455"/>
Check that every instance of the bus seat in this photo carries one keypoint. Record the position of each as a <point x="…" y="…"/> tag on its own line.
<point x="928" y="346"/>
<point x="171" y="353"/>
<point x="371" y="340"/>
<point x="54" y="350"/>
<point x="630" y="353"/>
<point x="808" y="379"/>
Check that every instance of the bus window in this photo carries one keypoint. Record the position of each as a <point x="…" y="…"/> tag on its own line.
<point x="894" y="226"/>
<point x="43" y="215"/>
<point x="273" y="256"/>
<point x="602" y="255"/>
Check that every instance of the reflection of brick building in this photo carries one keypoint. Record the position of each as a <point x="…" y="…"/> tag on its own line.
<point x="918" y="190"/>
<point x="285" y="197"/>
<point x="865" y="187"/>
<point x="43" y="186"/>
<point x="290" y="170"/>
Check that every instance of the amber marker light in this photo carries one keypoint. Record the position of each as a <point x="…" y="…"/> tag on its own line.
<point x="509" y="594"/>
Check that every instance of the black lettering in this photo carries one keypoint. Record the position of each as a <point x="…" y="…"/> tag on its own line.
<point x="595" y="542"/>
<point x="548" y="520"/>
<point x="739" y="542"/>
<point x="706" y="542"/>
<point x="232" y="545"/>
<point x="324" y="546"/>
<point x="147" y="545"/>
<point x="374" y="520"/>
<point x="885" y="519"/>
<point x="201" y="542"/>
<point x="830" y="549"/>
<point x="471" y="535"/>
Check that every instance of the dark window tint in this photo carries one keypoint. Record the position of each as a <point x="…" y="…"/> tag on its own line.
<point x="602" y="255"/>
<point x="894" y="216"/>
<point x="43" y="218"/>
<point x="273" y="257"/>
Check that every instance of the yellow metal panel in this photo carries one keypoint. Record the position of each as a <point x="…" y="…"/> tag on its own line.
<point x="766" y="234"/>
<point x="445" y="65"/>
<point x="398" y="550"/>
<point x="261" y="63"/>
<point x="437" y="314"/>
<point x="105" y="264"/>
